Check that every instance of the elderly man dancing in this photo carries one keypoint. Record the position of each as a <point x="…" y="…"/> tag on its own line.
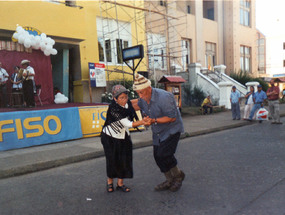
<point x="159" y="107"/>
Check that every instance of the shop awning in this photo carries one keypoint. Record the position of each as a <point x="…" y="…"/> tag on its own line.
<point x="171" y="79"/>
<point x="279" y="79"/>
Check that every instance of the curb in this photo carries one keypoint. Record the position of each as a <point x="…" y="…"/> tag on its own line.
<point x="40" y="166"/>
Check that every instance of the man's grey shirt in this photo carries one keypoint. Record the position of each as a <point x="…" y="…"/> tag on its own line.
<point x="162" y="104"/>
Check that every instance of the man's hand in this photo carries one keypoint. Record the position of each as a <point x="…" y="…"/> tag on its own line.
<point x="147" y="121"/>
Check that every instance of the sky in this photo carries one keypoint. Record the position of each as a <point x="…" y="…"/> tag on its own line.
<point x="270" y="17"/>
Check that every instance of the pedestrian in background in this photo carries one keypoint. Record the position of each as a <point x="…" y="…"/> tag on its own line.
<point x="116" y="140"/>
<point x="248" y="103"/>
<point x="166" y="124"/>
<point x="273" y="102"/>
<point x="207" y="103"/>
<point x="3" y="86"/>
<point x="235" y="100"/>
<point x="258" y="100"/>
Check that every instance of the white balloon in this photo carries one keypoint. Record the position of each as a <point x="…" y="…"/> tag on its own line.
<point x="43" y="46"/>
<point x="43" y="35"/>
<point x="33" y="42"/>
<point x="53" y="51"/>
<point x="36" y="46"/>
<point x="27" y="43"/>
<point x="48" y="40"/>
<point x="45" y="40"/>
<point x="47" y="53"/>
<point x="19" y="29"/>
<point x="48" y="47"/>
<point x="32" y="37"/>
<point x="16" y="35"/>
<point x="38" y="38"/>
<point x="21" y="39"/>
<point x="52" y="42"/>
<point x="26" y="33"/>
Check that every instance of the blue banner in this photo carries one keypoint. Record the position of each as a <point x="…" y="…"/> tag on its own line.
<point x="29" y="128"/>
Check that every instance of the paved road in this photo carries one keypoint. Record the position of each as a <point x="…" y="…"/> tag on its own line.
<point x="239" y="171"/>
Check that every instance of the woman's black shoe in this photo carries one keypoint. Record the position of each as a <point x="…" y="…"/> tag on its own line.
<point x="110" y="188"/>
<point x="123" y="188"/>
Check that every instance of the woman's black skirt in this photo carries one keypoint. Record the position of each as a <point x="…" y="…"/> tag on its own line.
<point x="119" y="156"/>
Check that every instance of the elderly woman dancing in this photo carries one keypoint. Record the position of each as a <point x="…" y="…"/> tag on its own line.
<point x="116" y="138"/>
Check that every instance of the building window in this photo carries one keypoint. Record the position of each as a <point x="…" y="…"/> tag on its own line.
<point x="284" y="46"/>
<point x="162" y="3"/>
<point x="108" y="50"/>
<point x="162" y="59"/>
<point x="245" y="59"/>
<point x="119" y="51"/>
<point x="104" y="46"/>
<point x="185" y="6"/>
<point x="210" y="55"/>
<point x="101" y="49"/>
<point x="188" y="9"/>
<point x="120" y="45"/>
<point x="70" y="3"/>
<point x="113" y="36"/>
<point x="283" y="63"/>
<point x="185" y="52"/>
<point x="245" y="12"/>
<point x="208" y="10"/>
<point x="156" y="51"/>
<point x="261" y="55"/>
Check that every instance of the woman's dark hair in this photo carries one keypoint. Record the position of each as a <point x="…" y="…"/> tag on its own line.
<point x="16" y="67"/>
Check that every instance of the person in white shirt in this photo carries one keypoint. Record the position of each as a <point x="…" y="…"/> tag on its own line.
<point x="248" y="103"/>
<point x="16" y="80"/>
<point x="28" y="83"/>
<point x="3" y="86"/>
<point x="115" y="138"/>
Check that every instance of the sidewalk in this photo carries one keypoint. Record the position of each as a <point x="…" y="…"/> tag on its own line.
<point x="27" y="160"/>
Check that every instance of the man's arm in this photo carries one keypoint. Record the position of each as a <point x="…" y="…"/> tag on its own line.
<point x="210" y="102"/>
<point x="161" y="120"/>
<point x="135" y="104"/>
<point x="273" y="92"/>
<point x="268" y="93"/>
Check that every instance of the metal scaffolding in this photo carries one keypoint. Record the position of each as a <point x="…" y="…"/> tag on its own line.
<point x="159" y="23"/>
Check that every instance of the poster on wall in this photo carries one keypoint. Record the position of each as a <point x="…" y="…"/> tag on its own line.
<point x="97" y="74"/>
<point x="100" y="75"/>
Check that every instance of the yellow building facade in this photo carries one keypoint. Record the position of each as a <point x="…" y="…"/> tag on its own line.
<point x="74" y="27"/>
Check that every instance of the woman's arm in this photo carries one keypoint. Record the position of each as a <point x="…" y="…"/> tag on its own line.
<point x="127" y="123"/>
<point x="247" y="95"/>
<point x="138" y="123"/>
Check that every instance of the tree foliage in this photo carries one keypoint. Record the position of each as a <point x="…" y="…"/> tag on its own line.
<point x="244" y="77"/>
